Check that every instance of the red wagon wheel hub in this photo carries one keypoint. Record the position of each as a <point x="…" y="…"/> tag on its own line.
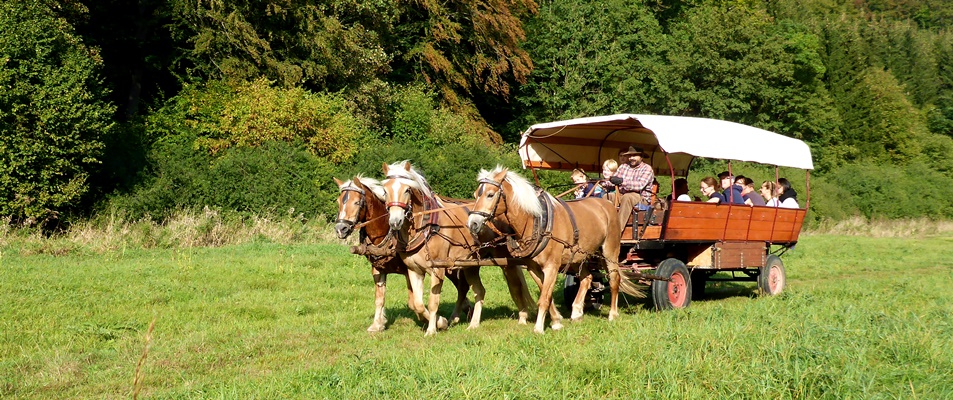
<point x="775" y="279"/>
<point x="677" y="290"/>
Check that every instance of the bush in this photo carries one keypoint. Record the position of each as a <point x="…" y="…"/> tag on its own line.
<point x="249" y="114"/>
<point x="52" y="113"/>
<point x="273" y="179"/>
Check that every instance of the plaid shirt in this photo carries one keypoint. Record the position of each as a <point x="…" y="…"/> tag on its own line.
<point x="638" y="179"/>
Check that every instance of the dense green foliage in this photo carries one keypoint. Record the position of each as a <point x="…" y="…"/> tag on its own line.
<point x="861" y="317"/>
<point x="337" y="87"/>
<point x="52" y="113"/>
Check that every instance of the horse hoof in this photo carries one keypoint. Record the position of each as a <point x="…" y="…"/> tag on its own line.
<point x="442" y="323"/>
<point x="473" y="326"/>
<point x="430" y="333"/>
<point x="375" y="329"/>
<point x="539" y="331"/>
<point x="576" y="317"/>
<point x="612" y="317"/>
<point x="557" y="326"/>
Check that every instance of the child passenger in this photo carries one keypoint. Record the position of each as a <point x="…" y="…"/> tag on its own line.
<point x="608" y="169"/>
<point x="585" y="188"/>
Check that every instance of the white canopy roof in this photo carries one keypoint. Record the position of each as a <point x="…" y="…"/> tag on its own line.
<point x="586" y="142"/>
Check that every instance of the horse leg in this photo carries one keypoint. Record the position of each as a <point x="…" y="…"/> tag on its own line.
<point x="546" y="301"/>
<point x="463" y="305"/>
<point x="610" y="252"/>
<point x="436" y="285"/>
<point x="380" y="289"/>
<point x="476" y="284"/>
<point x="516" y="282"/>
<point x="415" y="283"/>
<point x="578" y="303"/>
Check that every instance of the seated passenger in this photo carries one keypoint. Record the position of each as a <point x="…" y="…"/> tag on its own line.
<point x="786" y="194"/>
<point x="633" y="181"/>
<point x="769" y="193"/>
<point x="731" y="192"/>
<point x="585" y="188"/>
<point x="681" y="191"/>
<point x="751" y="199"/>
<point x="608" y="169"/>
<point x="708" y="189"/>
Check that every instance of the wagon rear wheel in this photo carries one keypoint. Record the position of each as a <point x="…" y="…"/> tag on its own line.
<point x="772" y="279"/>
<point x="675" y="293"/>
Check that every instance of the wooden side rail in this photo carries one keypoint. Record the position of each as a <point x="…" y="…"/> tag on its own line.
<point x="698" y="221"/>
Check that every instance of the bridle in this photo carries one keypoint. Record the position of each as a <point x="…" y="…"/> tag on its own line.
<point x="400" y="204"/>
<point x="499" y="185"/>
<point x="360" y="206"/>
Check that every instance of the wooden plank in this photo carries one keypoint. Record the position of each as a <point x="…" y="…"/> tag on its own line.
<point x="733" y="255"/>
<point x="703" y="259"/>
<point x="652" y="233"/>
<point x="561" y="165"/>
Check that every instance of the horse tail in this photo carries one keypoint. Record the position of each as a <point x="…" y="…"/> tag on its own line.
<point x="626" y="285"/>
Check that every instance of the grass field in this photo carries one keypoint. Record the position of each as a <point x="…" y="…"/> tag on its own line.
<point x="861" y="318"/>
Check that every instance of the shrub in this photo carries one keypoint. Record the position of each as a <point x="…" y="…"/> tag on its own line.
<point x="249" y="114"/>
<point x="52" y="113"/>
<point x="273" y="179"/>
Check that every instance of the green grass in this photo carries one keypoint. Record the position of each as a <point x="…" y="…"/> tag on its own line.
<point x="861" y="318"/>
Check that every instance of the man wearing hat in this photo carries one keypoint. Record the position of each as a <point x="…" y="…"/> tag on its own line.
<point x="634" y="182"/>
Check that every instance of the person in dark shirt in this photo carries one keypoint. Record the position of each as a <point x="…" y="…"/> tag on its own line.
<point x="751" y="197"/>
<point x="708" y="187"/>
<point x="732" y="192"/>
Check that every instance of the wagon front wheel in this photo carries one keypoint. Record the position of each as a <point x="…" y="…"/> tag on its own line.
<point x="677" y="291"/>
<point x="772" y="279"/>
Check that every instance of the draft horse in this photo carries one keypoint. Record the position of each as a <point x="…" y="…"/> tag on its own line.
<point x="430" y="231"/>
<point x="361" y="204"/>
<point x="549" y="236"/>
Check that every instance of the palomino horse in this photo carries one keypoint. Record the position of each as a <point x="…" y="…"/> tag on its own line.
<point x="548" y="236"/>
<point x="361" y="203"/>
<point x="434" y="233"/>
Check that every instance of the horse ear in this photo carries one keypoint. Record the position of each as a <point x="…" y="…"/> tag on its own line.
<point x="407" y="165"/>
<point x="385" y="168"/>
<point x="500" y="176"/>
<point x="338" y="181"/>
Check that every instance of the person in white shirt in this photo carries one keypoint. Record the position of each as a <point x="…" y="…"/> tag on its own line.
<point x="787" y="197"/>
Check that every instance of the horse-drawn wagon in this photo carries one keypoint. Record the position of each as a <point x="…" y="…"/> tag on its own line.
<point x="684" y="243"/>
<point x="513" y="224"/>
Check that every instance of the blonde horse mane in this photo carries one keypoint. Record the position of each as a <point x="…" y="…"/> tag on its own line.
<point x="370" y="183"/>
<point x="410" y="178"/>
<point x="523" y="192"/>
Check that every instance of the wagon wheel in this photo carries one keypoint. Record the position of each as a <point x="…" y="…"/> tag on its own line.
<point x="675" y="293"/>
<point x="772" y="279"/>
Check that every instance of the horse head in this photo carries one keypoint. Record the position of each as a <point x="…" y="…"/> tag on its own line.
<point x="402" y="188"/>
<point x="488" y="194"/>
<point x="353" y="203"/>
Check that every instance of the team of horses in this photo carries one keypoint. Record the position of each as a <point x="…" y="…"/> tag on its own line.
<point x="406" y="229"/>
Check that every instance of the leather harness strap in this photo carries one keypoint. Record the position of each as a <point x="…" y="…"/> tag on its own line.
<point x="572" y="218"/>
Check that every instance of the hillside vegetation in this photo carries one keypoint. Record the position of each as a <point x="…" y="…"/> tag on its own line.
<point x="145" y="109"/>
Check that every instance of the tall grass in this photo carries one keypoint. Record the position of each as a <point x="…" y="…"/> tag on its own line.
<point x="861" y="318"/>
<point x="905" y="227"/>
<point x="183" y="229"/>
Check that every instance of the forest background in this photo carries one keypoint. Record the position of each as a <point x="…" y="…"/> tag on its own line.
<point x="141" y="109"/>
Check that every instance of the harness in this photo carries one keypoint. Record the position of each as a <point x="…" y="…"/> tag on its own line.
<point x="542" y="226"/>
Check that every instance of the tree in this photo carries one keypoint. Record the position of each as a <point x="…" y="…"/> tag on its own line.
<point x="52" y="113"/>
<point x="593" y="58"/>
